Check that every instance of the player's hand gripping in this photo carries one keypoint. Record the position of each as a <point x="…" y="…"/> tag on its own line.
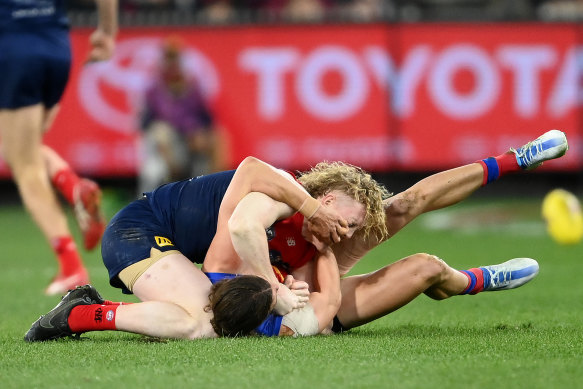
<point x="299" y="288"/>
<point x="291" y="295"/>
<point x="327" y="225"/>
<point x="102" y="46"/>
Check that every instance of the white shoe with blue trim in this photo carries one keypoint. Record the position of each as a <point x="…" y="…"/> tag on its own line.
<point x="550" y="145"/>
<point x="510" y="274"/>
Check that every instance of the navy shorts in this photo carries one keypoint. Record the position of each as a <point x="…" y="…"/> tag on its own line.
<point x="34" y="66"/>
<point x="337" y="327"/>
<point x="129" y="237"/>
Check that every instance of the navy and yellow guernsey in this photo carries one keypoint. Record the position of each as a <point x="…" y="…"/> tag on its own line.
<point x="21" y="15"/>
<point x="179" y="216"/>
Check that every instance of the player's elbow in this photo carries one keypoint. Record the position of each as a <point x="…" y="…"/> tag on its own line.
<point x="326" y="313"/>
<point x="333" y="308"/>
<point x="333" y="299"/>
<point x="407" y="205"/>
<point x="249" y="164"/>
<point x="334" y="302"/>
<point x="253" y="175"/>
<point x="242" y="227"/>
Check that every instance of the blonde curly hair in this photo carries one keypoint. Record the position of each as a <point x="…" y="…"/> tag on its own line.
<point x="356" y="183"/>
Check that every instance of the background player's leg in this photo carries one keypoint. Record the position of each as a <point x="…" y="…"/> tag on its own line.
<point x="21" y="133"/>
<point x="82" y="194"/>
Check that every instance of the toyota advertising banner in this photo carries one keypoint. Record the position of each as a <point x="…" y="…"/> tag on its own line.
<point x="384" y="97"/>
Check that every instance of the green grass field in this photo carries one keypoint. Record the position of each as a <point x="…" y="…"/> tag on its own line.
<point x="531" y="337"/>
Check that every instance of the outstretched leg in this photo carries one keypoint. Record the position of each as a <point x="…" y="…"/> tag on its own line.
<point x="370" y="296"/>
<point x="174" y="295"/>
<point x="452" y="186"/>
<point x="449" y="187"/>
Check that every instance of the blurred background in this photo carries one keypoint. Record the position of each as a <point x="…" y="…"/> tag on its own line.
<point x="400" y="88"/>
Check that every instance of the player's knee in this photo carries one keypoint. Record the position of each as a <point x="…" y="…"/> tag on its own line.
<point x="430" y="267"/>
<point x="191" y="328"/>
<point x="187" y="328"/>
<point x="435" y="271"/>
<point x="192" y="323"/>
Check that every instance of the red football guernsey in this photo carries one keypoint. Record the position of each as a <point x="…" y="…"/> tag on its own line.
<point x="288" y="250"/>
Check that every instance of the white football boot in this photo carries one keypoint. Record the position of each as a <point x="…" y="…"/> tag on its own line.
<point x="510" y="274"/>
<point x="550" y="145"/>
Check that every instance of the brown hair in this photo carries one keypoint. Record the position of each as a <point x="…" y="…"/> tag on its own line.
<point x="239" y="305"/>
<point x="356" y="183"/>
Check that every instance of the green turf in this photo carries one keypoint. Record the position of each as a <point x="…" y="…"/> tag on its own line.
<point x="531" y="337"/>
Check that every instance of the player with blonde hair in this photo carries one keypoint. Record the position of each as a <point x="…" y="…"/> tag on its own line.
<point x="356" y="183"/>
<point x="151" y="245"/>
<point x="239" y="247"/>
<point x="367" y="297"/>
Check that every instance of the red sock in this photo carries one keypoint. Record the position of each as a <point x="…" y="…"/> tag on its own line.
<point x="67" y="255"/>
<point x="475" y="281"/>
<point x="507" y="163"/>
<point x="65" y="180"/>
<point x="496" y="167"/>
<point x="94" y="317"/>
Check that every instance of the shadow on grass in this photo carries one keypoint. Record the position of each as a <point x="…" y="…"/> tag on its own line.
<point x="433" y="331"/>
<point x="417" y="331"/>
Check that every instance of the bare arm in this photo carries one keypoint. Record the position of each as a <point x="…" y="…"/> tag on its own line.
<point x="240" y="244"/>
<point x="324" y="300"/>
<point x="257" y="196"/>
<point x="254" y="175"/>
<point x="102" y="40"/>
<point x="325" y="296"/>
<point x="253" y="214"/>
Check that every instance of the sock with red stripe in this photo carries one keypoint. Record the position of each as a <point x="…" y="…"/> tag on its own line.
<point x="94" y="317"/>
<point x="65" y="181"/>
<point x="477" y="278"/>
<point x="109" y="302"/>
<point x="69" y="259"/>
<point x="496" y="167"/>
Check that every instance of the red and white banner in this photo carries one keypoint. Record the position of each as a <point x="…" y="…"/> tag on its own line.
<point x="406" y="97"/>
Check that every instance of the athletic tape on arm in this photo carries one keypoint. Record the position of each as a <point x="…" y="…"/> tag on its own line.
<point x="303" y="322"/>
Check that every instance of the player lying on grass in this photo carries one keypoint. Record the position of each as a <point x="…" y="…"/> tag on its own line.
<point x="370" y="296"/>
<point x="240" y="241"/>
<point x="367" y="297"/>
<point x="149" y="248"/>
<point x="393" y="286"/>
<point x="135" y="233"/>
